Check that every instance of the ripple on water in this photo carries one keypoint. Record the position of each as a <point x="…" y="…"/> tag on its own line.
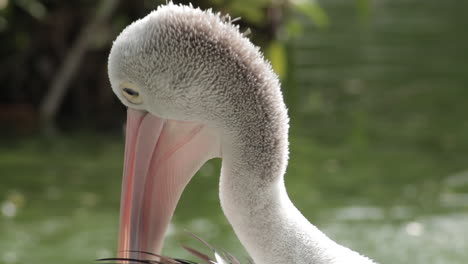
<point x="10" y="257"/>
<point x="429" y="239"/>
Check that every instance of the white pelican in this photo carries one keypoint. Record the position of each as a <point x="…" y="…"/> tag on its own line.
<point x="196" y="89"/>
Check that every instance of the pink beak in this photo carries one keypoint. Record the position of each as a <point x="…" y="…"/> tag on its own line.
<point x="161" y="156"/>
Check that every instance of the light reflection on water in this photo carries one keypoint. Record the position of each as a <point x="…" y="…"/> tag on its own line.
<point x="430" y="239"/>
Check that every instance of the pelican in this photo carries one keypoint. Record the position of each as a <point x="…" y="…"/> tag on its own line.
<point x="196" y="89"/>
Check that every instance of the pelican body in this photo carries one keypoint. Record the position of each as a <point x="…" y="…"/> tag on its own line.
<point x="197" y="89"/>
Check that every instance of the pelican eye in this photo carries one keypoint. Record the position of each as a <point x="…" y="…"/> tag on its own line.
<point x="131" y="92"/>
<point x="132" y="95"/>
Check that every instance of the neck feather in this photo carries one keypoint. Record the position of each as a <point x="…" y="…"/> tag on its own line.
<point x="255" y="201"/>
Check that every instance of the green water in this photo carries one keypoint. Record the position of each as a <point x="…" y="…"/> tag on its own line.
<point x="379" y="151"/>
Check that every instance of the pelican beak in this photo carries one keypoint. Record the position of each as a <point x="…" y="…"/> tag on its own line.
<point x="161" y="156"/>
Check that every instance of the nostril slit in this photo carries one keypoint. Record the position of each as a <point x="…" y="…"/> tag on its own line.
<point x="130" y="92"/>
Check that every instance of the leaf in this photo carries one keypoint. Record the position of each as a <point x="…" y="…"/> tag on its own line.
<point x="363" y="10"/>
<point x="35" y="8"/>
<point x="277" y="55"/>
<point x="294" y="28"/>
<point x="313" y="11"/>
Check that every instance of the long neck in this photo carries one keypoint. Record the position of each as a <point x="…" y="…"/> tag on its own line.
<point x="254" y="199"/>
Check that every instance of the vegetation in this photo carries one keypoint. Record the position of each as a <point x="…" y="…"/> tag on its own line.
<point x="54" y="53"/>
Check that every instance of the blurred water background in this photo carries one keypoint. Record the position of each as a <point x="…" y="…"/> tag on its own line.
<point x="377" y="93"/>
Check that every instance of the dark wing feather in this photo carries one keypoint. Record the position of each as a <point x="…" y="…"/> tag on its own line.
<point x="221" y="256"/>
<point x="198" y="254"/>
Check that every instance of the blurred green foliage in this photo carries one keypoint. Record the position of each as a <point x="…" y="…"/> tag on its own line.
<point x="38" y="35"/>
<point x="312" y="10"/>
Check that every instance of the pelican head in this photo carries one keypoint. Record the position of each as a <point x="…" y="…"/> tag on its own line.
<point x="148" y="69"/>
<point x="196" y="89"/>
<point x="182" y="63"/>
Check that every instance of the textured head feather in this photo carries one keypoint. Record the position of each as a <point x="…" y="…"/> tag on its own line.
<point x="195" y="65"/>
